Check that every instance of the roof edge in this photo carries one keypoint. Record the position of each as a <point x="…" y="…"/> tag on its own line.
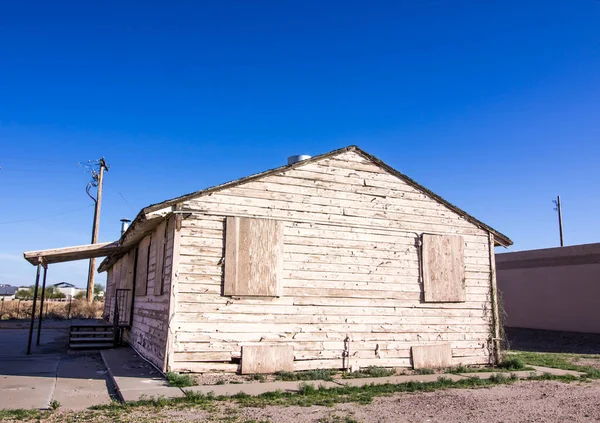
<point x="500" y="238"/>
<point x="504" y="241"/>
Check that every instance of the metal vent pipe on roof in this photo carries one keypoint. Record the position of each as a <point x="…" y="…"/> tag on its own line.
<point x="124" y="225"/>
<point x="297" y="158"/>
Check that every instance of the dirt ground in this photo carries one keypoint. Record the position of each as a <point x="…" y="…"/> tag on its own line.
<point x="521" y="402"/>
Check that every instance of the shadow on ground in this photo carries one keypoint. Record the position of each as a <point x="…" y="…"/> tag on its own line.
<point x="50" y="373"/>
<point x="537" y="340"/>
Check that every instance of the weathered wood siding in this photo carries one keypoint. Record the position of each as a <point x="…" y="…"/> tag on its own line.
<point x="148" y="333"/>
<point x="351" y="271"/>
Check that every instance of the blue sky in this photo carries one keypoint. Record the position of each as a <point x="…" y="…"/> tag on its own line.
<point x="493" y="105"/>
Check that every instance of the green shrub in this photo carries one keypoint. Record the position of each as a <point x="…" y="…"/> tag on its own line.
<point x="371" y="371"/>
<point x="180" y="381"/>
<point x="512" y="363"/>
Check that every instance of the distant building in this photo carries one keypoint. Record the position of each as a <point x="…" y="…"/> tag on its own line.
<point x="68" y="289"/>
<point x="7" y="292"/>
<point x="551" y="288"/>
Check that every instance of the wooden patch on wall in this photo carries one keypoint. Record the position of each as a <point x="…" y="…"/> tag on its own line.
<point x="432" y="356"/>
<point x="253" y="257"/>
<point x="443" y="268"/>
<point x="267" y="358"/>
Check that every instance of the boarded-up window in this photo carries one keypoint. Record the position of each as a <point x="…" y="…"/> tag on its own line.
<point x="160" y="245"/>
<point x="443" y="268"/>
<point x="141" y="274"/>
<point x="253" y="257"/>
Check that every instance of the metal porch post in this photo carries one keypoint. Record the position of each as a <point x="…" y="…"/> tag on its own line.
<point x="35" y="291"/>
<point x="42" y="304"/>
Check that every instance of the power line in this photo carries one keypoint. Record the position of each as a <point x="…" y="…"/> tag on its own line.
<point x="3" y="169"/>
<point x="47" y="216"/>
<point x="29" y="160"/>
<point x="127" y="202"/>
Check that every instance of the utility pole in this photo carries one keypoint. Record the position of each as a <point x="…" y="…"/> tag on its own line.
<point x="97" y="179"/>
<point x="558" y="208"/>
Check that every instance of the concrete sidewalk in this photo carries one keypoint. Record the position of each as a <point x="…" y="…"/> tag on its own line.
<point x="49" y="373"/>
<point x="136" y="379"/>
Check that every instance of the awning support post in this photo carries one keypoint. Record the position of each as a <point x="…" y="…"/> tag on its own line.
<point x="35" y="291"/>
<point x="42" y="305"/>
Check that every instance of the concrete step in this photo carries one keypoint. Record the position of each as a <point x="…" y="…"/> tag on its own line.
<point x="92" y="333"/>
<point x="95" y="339"/>
<point x="94" y="345"/>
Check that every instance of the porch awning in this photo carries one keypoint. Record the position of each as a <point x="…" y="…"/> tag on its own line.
<point x="78" y="252"/>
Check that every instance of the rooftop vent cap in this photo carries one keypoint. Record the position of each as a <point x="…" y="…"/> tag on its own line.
<point x="124" y="225"/>
<point x="298" y="158"/>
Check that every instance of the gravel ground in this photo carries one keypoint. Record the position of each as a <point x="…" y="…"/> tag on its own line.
<point x="521" y="402"/>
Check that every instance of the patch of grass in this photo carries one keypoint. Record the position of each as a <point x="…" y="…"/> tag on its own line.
<point x="321" y="374"/>
<point x="309" y="395"/>
<point x="559" y="361"/>
<point x="460" y="369"/>
<point x="512" y="363"/>
<point x="371" y="371"/>
<point x="180" y="381"/>
<point x="54" y="404"/>
<point x="464" y="369"/>
<point x="337" y="419"/>
<point x="257" y="377"/>
<point x="424" y="371"/>
<point x="20" y="414"/>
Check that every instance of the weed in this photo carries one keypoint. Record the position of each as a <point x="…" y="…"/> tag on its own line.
<point x="220" y="382"/>
<point x="424" y="371"/>
<point x="371" y="371"/>
<point x="459" y="369"/>
<point x="54" y="404"/>
<point x="512" y="363"/>
<point x="20" y="414"/>
<point x="464" y="369"/>
<point x="321" y="374"/>
<point x="307" y="389"/>
<point x="257" y="377"/>
<point x="337" y="419"/>
<point x="180" y="381"/>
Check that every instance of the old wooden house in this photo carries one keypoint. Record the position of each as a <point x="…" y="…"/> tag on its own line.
<point x="335" y="261"/>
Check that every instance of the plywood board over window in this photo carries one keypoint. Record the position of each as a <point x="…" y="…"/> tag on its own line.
<point x="141" y="275"/>
<point x="253" y="257"/>
<point x="443" y="268"/>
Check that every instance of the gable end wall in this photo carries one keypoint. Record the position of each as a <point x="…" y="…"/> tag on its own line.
<point x="351" y="272"/>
